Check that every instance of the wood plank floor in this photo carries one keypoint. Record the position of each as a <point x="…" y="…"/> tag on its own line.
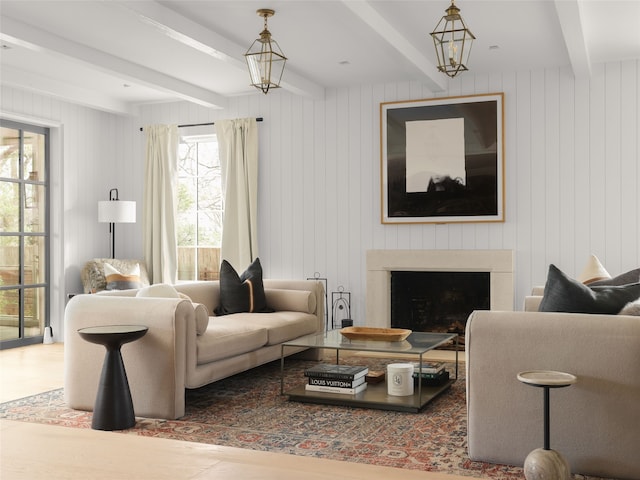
<point x="31" y="451"/>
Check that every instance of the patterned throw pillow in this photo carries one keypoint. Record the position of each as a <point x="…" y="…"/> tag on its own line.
<point x="244" y="293"/>
<point x="122" y="281"/>
<point x="631" y="308"/>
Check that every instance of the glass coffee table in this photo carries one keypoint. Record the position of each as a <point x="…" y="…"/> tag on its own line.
<point x="375" y="395"/>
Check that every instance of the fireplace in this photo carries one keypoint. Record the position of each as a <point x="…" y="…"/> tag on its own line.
<point x="497" y="264"/>
<point x="437" y="301"/>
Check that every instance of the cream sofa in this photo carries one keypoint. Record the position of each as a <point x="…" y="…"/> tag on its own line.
<point x="184" y="347"/>
<point x="594" y="423"/>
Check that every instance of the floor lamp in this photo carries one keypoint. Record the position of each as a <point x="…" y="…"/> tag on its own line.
<point x="115" y="211"/>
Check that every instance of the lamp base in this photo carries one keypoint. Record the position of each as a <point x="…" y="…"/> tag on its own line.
<point x="543" y="464"/>
<point x="48" y="336"/>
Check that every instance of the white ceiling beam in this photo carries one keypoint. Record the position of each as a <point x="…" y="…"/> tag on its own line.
<point x="571" y="25"/>
<point x="194" y="35"/>
<point x="39" y="40"/>
<point x="435" y="80"/>
<point x="22" y="79"/>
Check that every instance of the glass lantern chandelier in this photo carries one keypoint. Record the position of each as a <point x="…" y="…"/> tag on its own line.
<point x="265" y="58"/>
<point x="453" y="41"/>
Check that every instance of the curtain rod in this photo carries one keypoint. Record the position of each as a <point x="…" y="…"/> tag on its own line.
<point x="258" y="119"/>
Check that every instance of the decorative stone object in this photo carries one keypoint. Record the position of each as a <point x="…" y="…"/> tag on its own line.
<point x="543" y="464"/>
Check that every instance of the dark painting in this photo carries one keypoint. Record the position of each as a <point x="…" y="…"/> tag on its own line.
<point x="442" y="160"/>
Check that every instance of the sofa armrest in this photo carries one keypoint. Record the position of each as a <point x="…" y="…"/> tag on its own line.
<point x="155" y="364"/>
<point x="205" y="292"/>
<point x="532" y="303"/>
<point x="538" y="290"/>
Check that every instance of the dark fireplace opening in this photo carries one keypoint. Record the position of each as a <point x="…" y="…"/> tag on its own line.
<point x="438" y="301"/>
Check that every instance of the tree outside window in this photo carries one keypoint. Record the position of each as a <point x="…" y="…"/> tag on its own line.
<point x="200" y="208"/>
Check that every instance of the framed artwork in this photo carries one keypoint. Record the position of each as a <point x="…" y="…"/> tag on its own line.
<point x="442" y="160"/>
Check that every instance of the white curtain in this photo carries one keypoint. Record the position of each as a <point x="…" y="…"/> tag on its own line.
<point x="159" y="208"/>
<point x="238" y="148"/>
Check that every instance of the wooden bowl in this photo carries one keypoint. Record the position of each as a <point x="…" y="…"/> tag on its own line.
<point x="377" y="334"/>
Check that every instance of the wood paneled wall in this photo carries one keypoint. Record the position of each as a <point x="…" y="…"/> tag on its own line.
<point x="572" y="175"/>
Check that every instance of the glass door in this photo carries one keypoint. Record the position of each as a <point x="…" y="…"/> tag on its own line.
<point x="24" y="233"/>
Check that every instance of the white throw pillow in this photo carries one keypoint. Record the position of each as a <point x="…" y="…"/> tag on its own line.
<point x="160" y="290"/>
<point x="593" y="271"/>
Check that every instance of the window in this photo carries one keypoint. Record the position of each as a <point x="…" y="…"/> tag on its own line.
<point x="200" y="208"/>
<point x="24" y="233"/>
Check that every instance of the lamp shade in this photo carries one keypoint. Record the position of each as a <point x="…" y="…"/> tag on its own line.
<point x="117" y="211"/>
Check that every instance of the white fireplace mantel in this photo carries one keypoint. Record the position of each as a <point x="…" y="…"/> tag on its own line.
<point x="380" y="264"/>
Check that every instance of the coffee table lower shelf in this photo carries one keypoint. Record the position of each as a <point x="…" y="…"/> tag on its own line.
<point x="375" y="396"/>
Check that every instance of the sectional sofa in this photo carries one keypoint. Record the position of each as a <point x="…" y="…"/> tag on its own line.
<point x="187" y="345"/>
<point x="594" y="423"/>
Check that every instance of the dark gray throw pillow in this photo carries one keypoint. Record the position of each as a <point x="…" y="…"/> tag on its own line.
<point x="241" y="293"/>
<point x="632" y="276"/>
<point x="564" y="294"/>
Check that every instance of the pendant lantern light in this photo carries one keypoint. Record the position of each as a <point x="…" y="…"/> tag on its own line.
<point x="265" y="58"/>
<point x="453" y="41"/>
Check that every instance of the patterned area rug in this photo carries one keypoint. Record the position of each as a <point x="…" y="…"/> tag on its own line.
<point x="247" y="411"/>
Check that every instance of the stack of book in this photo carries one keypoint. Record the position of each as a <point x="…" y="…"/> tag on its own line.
<point x="432" y="373"/>
<point x="345" y="379"/>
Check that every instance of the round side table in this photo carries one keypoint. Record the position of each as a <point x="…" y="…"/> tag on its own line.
<point x="544" y="463"/>
<point x="113" y="409"/>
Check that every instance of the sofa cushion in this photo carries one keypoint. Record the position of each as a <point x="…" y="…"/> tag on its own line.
<point x="117" y="280"/>
<point x="225" y="337"/>
<point x="563" y="294"/>
<point x="280" y="299"/>
<point x="241" y="293"/>
<point x="281" y="326"/>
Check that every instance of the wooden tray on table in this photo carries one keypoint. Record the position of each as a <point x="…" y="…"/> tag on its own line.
<point x="376" y="334"/>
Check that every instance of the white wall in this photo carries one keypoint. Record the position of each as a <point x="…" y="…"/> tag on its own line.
<point x="572" y="175"/>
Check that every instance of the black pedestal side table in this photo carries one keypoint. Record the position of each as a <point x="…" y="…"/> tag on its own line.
<point x="545" y="463"/>
<point x="113" y="409"/>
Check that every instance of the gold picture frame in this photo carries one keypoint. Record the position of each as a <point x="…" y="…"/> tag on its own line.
<point x="442" y="160"/>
